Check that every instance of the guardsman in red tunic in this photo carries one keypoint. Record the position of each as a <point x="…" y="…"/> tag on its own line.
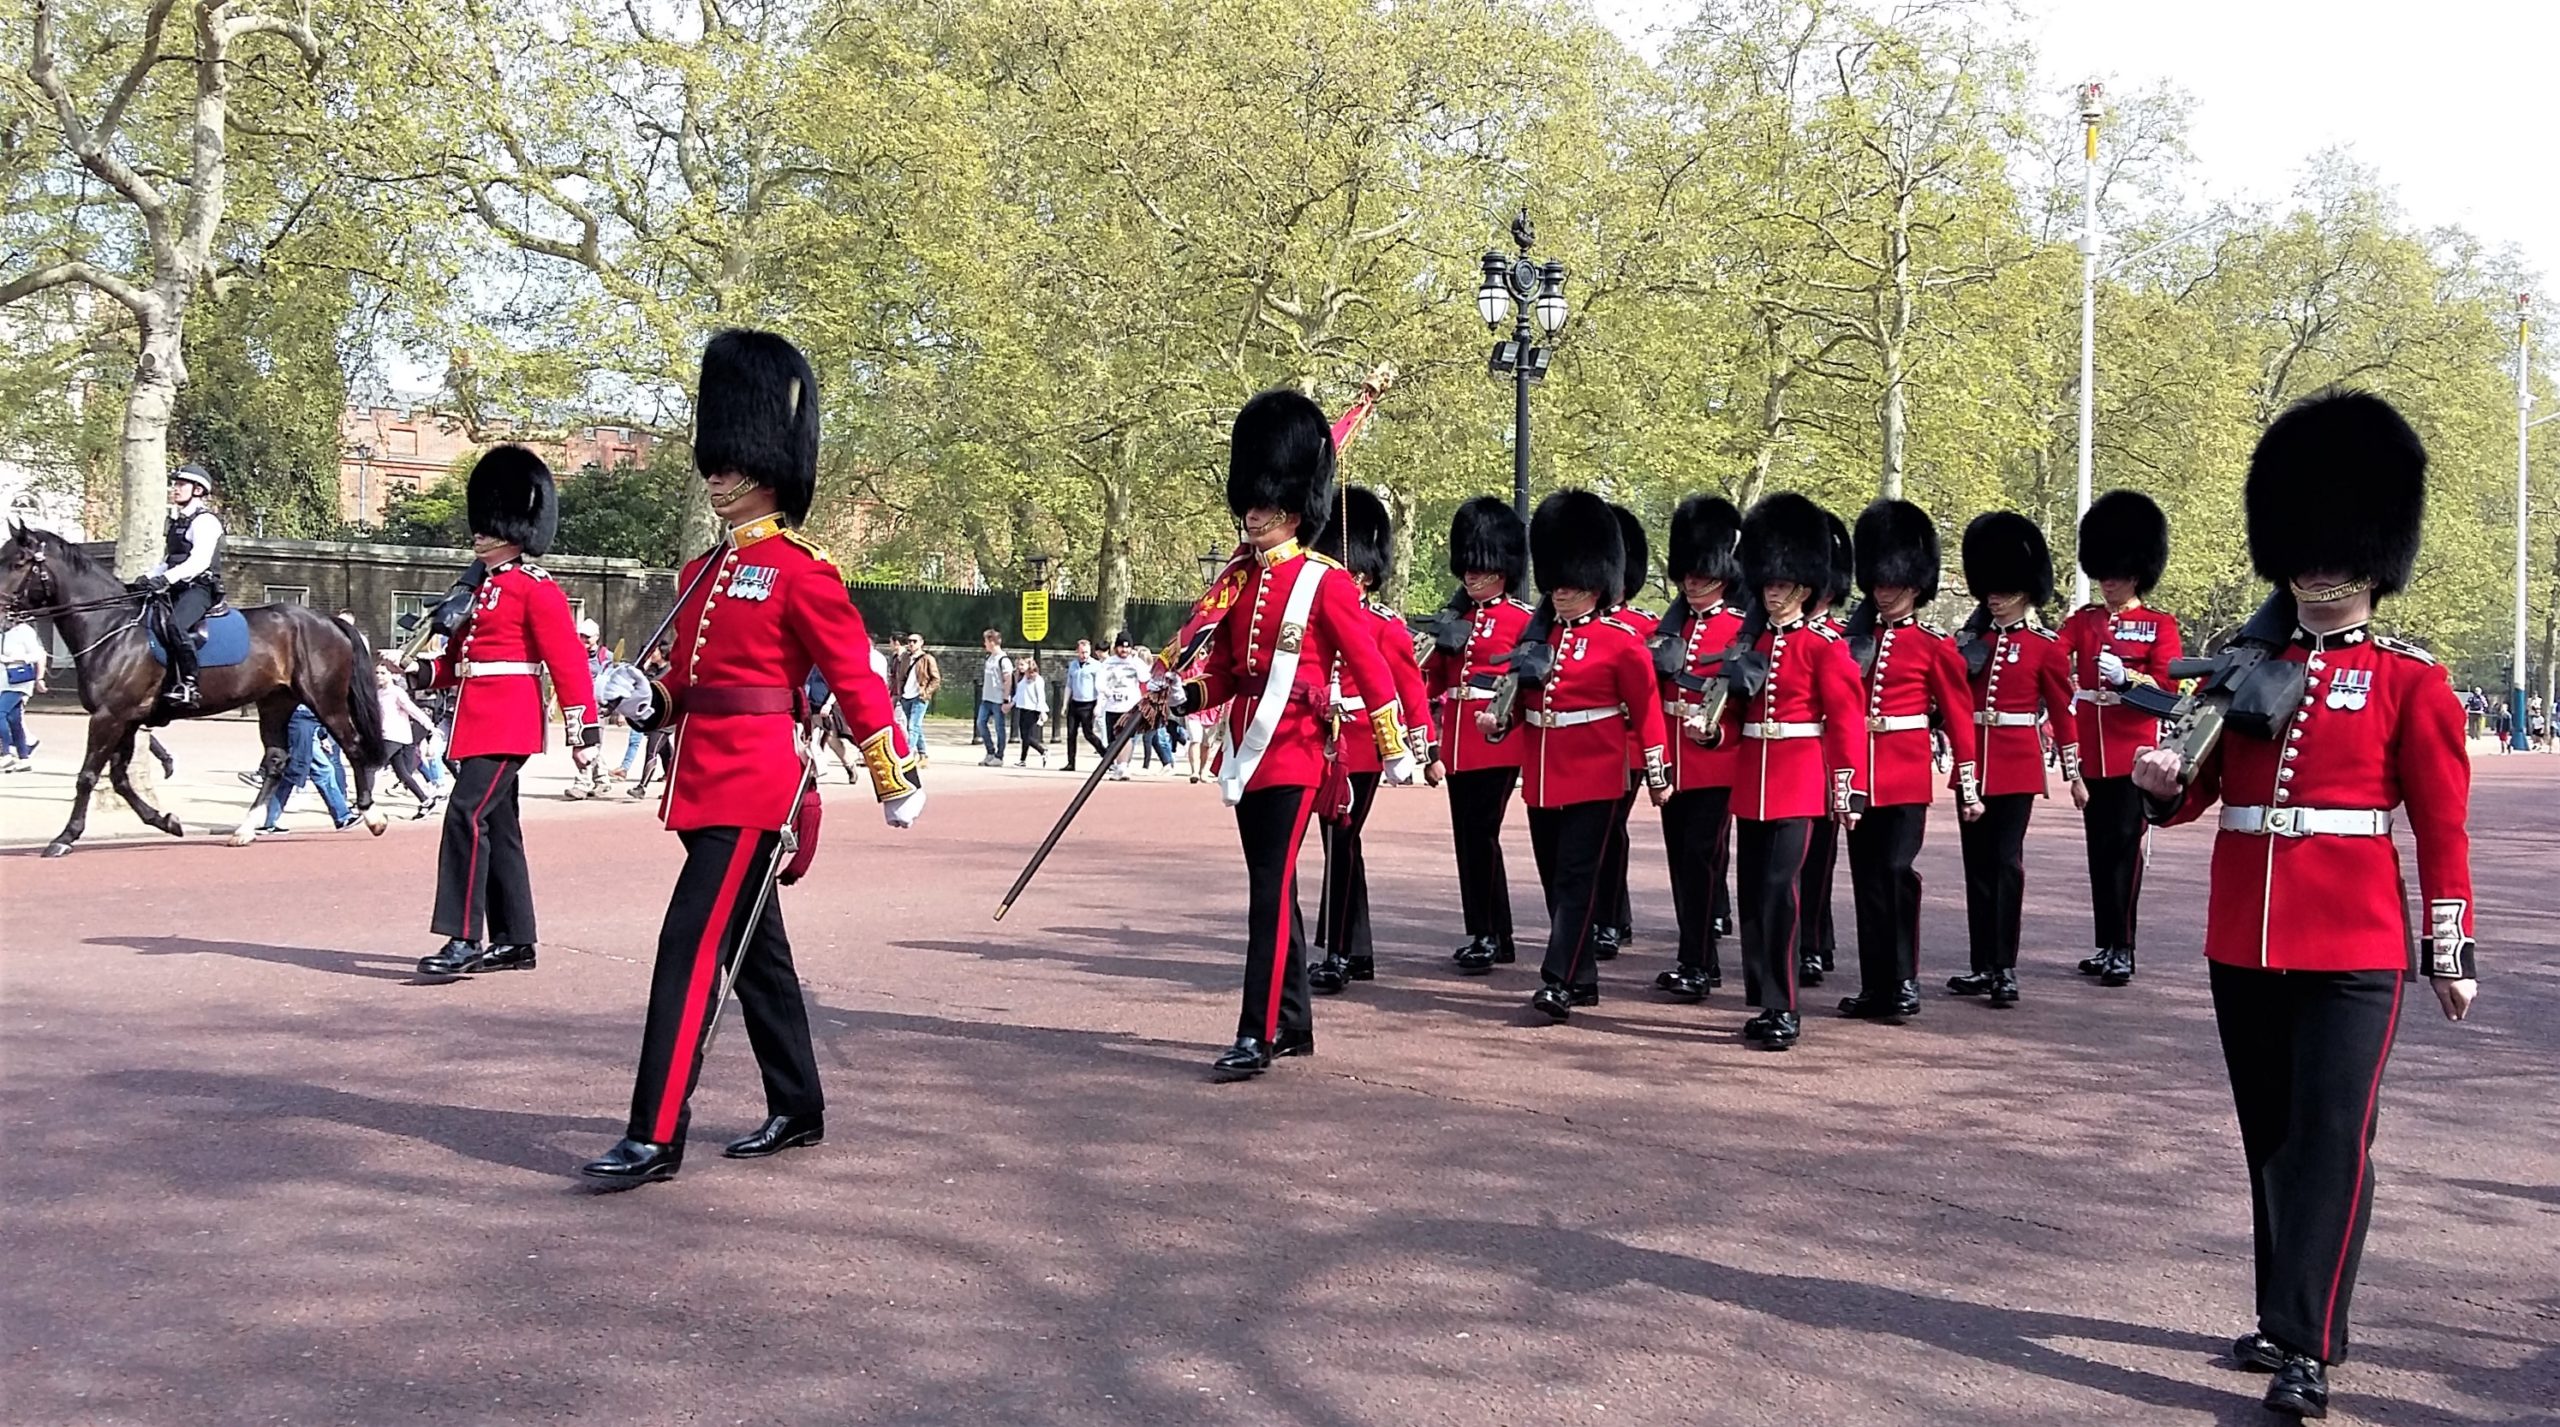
<point x="1581" y="689"/>
<point x="504" y="629"/>
<point x="1489" y="558"/>
<point x="1617" y="926"/>
<point x="1282" y="616"/>
<point x="1705" y="567"/>
<point x="1915" y="683"/>
<point x="1803" y="754"/>
<point x="1361" y="537"/>
<point x="754" y="616"/>
<point x="2307" y="930"/>
<point x="1816" y="942"/>
<point x="2021" y="680"/>
<point x="2114" y="645"/>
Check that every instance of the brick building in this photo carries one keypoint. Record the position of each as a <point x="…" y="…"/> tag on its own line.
<point x="394" y="450"/>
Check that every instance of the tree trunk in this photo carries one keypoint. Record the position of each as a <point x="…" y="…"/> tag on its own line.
<point x="1400" y="551"/>
<point x="143" y="446"/>
<point x="1773" y="417"/>
<point x="1111" y="587"/>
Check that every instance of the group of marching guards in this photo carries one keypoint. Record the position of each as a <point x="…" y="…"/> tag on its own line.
<point x="1765" y="716"/>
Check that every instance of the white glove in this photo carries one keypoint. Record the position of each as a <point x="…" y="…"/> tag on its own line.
<point x="1168" y="686"/>
<point x="2111" y="670"/>
<point x="1402" y="771"/>
<point x="904" y="809"/>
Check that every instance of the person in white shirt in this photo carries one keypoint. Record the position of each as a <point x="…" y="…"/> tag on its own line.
<point x="403" y="723"/>
<point x="22" y="658"/>
<point x="993" y="678"/>
<point x="187" y="572"/>
<point x="1030" y="709"/>
<point x="1123" y="682"/>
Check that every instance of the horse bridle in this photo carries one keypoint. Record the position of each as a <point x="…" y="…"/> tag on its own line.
<point x="15" y="607"/>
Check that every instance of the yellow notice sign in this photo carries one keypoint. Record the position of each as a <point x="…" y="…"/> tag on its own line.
<point x="1035" y="615"/>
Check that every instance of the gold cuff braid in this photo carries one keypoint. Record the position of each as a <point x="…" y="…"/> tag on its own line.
<point x="892" y="776"/>
<point x="1388" y="724"/>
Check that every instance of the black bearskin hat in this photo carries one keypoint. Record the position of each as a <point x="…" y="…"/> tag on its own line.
<point x="1575" y="545"/>
<point x="1364" y="526"/>
<point x="2005" y="554"/>
<point x="1786" y="540"/>
<point x="1897" y="548"/>
<point x="510" y="498"/>
<point x="1487" y="534"/>
<point x="1844" y="563"/>
<point x="1635" y="554"/>
<point x="2125" y="537"/>
<point x="756" y="413"/>
<point x="2339" y="482"/>
<point x="1281" y="458"/>
<point x="1706" y="535"/>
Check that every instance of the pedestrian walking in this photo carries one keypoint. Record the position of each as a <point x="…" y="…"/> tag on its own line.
<point x="993" y="677"/>
<point x="1029" y="699"/>
<point x="305" y="763"/>
<point x="1083" y="699"/>
<point x="22" y="661"/>
<point x="403" y="724"/>
<point x="915" y="676"/>
<point x="1122" y="681"/>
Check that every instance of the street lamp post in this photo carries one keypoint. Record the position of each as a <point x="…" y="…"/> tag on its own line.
<point x="364" y="482"/>
<point x="1211" y="562"/>
<point x="1522" y="292"/>
<point x="2091" y="111"/>
<point x="2519" y="736"/>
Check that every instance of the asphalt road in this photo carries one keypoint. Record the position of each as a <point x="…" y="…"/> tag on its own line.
<point x="256" y="1174"/>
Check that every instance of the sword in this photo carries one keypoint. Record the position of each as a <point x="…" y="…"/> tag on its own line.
<point x="1190" y="650"/>
<point x="786" y="843"/>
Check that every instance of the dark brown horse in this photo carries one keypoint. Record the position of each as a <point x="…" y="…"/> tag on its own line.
<point x="296" y="656"/>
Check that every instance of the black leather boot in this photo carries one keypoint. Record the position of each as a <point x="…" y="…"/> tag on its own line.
<point x="2004" y="988"/>
<point x="510" y="956"/>
<point x="2301" y="1388"/>
<point x="2119" y="969"/>
<point x="1687" y="983"/>
<point x="1247" y="1058"/>
<point x="1972" y="983"/>
<point x="2256" y="1352"/>
<point x="1329" y="975"/>
<point x="1553" y="1002"/>
<point x="1784" y="1029"/>
<point x="779" y="1133"/>
<point x="454" y="958"/>
<point x="633" y="1163"/>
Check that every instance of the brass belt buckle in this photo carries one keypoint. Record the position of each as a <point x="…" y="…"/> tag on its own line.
<point x="2284" y="822"/>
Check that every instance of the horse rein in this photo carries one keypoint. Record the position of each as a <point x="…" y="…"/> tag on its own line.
<point x="15" y="608"/>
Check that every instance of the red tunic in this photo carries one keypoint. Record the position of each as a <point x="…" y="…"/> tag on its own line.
<point x="1802" y="755"/>
<point x="773" y="608"/>
<point x="2111" y="732"/>
<point x="1395" y="645"/>
<point x="1694" y="765"/>
<point x="1917" y="683"/>
<point x="2025" y="683"/>
<point x="1237" y="663"/>
<point x="1644" y="625"/>
<point x="1574" y="728"/>
<point x="1492" y="629"/>
<point x="520" y="618"/>
<point x="2380" y="728"/>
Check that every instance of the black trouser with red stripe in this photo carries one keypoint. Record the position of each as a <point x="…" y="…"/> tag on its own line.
<point x="1479" y="801"/>
<point x="1616" y="910"/>
<point x="1693" y="834"/>
<point x="1886" y="889"/>
<point x="1345" y="928"/>
<point x="1768" y="873"/>
<point x="2116" y="830"/>
<point x="1814" y="939"/>
<point x="481" y="882"/>
<point x="724" y="868"/>
<point x="1572" y="844"/>
<point x="1272" y="822"/>
<point x="1995" y="878"/>
<point x="2306" y="1050"/>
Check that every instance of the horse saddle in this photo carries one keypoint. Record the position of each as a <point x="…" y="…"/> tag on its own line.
<point x="226" y="639"/>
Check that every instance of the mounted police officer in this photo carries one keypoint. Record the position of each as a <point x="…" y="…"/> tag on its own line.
<point x="187" y="576"/>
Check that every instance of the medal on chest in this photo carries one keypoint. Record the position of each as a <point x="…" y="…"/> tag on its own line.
<point x="753" y="582"/>
<point x="2348" y="689"/>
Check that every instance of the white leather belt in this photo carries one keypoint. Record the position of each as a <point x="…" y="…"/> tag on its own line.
<point x="1569" y="718"/>
<point x="2005" y="720"/>
<point x="2307" y="822"/>
<point x="1468" y="691"/>
<point x="1770" y="732"/>
<point x="1897" y="723"/>
<point x="2101" y="697"/>
<point x="472" y="669"/>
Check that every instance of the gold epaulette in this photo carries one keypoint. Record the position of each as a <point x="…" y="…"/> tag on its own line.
<point x="2404" y="648"/>
<point x="816" y="550"/>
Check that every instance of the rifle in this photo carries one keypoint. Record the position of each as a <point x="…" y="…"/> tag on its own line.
<point x="1972" y="645"/>
<point x="2243" y="685"/>
<point x="1525" y="665"/>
